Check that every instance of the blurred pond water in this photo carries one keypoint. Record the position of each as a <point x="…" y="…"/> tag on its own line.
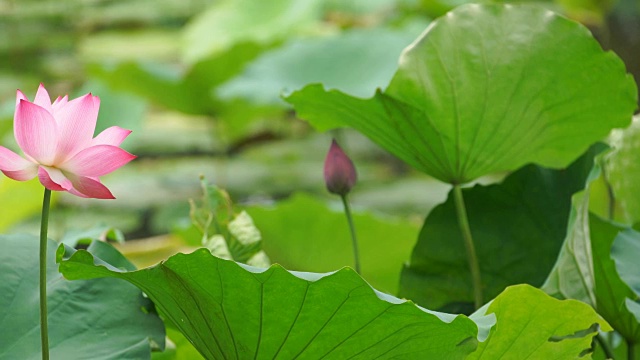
<point x="199" y="83"/>
<point x="135" y="54"/>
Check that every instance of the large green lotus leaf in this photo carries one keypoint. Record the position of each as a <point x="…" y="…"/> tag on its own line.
<point x="622" y="168"/>
<point x="357" y="61"/>
<point x="488" y="88"/>
<point x="96" y="319"/>
<point x="230" y="311"/>
<point x="228" y="22"/>
<point x="585" y="270"/>
<point x="518" y="228"/>
<point x="304" y="234"/>
<point x="532" y="325"/>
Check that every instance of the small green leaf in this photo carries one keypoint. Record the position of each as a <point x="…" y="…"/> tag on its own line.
<point x="95" y="319"/>
<point x="243" y="229"/>
<point x="238" y="312"/>
<point x="532" y="325"/>
<point x="228" y="235"/>
<point x="218" y="246"/>
<point x="488" y="88"/>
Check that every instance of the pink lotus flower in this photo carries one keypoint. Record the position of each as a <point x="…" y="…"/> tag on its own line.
<point x="59" y="147"/>
<point x="339" y="172"/>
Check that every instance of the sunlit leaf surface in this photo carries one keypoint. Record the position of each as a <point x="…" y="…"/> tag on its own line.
<point x="488" y="88"/>
<point x="533" y="325"/>
<point x="236" y="312"/>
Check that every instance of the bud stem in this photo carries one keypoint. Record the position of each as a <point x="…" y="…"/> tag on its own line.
<point x="354" y="240"/>
<point x="472" y="258"/>
<point x="44" y="225"/>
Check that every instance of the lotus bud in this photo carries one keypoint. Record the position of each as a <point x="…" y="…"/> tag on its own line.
<point x="339" y="172"/>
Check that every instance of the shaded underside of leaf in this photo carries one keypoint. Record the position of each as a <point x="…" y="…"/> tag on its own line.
<point x="488" y="88"/>
<point x="234" y="312"/>
<point x="518" y="227"/>
<point x="625" y="251"/>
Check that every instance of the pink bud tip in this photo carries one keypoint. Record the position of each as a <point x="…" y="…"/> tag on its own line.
<point x="339" y="172"/>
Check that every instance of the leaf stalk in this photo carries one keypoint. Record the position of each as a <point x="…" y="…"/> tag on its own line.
<point x="472" y="258"/>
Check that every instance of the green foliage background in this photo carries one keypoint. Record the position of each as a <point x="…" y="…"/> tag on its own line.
<point x="201" y="84"/>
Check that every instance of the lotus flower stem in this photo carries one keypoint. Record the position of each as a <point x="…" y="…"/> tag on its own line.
<point x="44" y="225"/>
<point x="354" y="240"/>
<point x="631" y="350"/>
<point x="59" y="148"/>
<point x="472" y="258"/>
